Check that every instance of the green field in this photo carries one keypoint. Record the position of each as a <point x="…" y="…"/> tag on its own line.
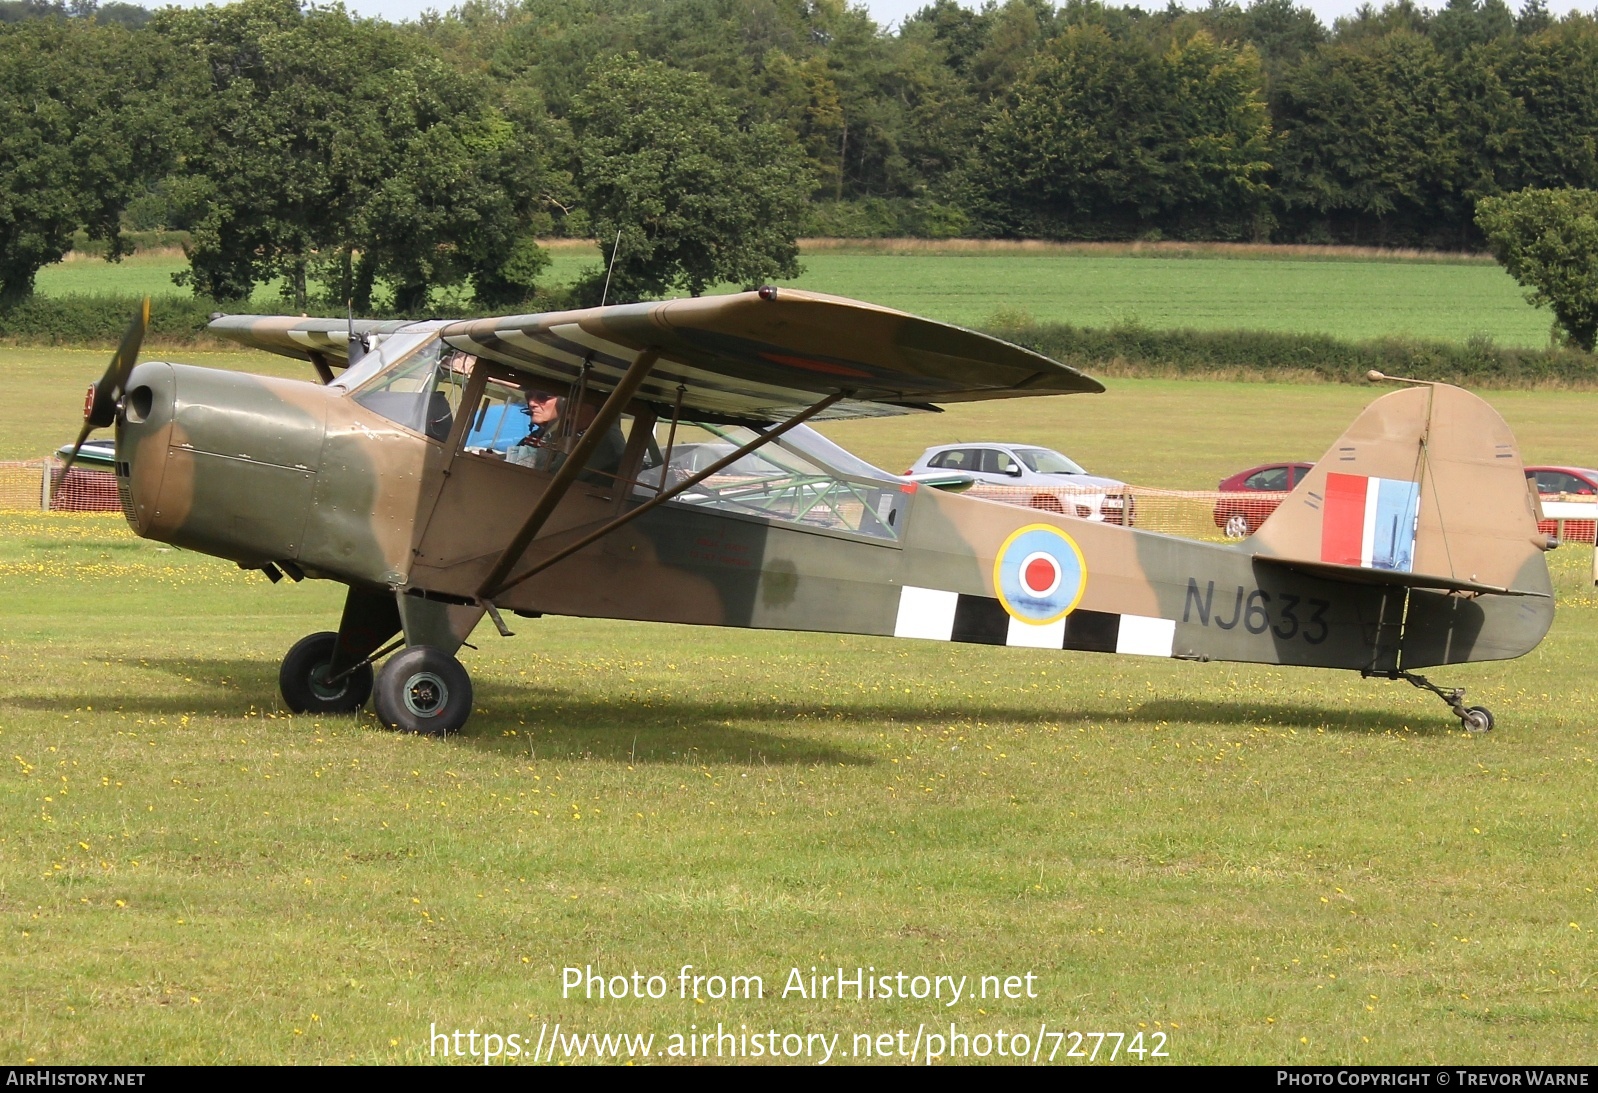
<point x="1350" y="298"/>
<point x="1263" y="865"/>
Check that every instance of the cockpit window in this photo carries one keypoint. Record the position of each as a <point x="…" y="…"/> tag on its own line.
<point x="387" y="352"/>
<point x="794" y="480"/>
<point x="422" y="391"/>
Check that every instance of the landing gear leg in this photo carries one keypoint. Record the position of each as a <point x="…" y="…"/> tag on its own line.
<point x="1475" y="719"/>
<point x="332" y="672"/>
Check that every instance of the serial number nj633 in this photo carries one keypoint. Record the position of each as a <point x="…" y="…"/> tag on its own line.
<point x="1256" y="610"/>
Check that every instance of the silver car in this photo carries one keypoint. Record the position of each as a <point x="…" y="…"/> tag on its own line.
<point x="1059" y="483"/>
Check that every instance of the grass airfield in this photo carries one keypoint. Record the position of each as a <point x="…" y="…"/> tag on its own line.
<point x="1263" y="865"/>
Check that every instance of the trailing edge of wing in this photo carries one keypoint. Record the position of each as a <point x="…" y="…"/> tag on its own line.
<point x="761" y="356"/>
<point x="1360" y="575"/>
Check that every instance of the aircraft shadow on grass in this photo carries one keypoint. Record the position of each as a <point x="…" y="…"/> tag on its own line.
<point x="1283" y="715"/>
<point x="518" y="717"/>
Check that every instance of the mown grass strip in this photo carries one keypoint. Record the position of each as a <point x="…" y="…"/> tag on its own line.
<point x="1120" y="350"/>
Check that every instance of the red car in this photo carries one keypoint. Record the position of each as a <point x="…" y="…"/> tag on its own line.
<point x="1241" y="516"/>
<point x="1565" y="490"/>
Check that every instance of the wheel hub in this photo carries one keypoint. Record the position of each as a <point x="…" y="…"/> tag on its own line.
<point x="425" y="694"/>
<point x="323" y="684"/>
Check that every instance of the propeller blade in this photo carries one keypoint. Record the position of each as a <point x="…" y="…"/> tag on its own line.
<point x="100" y="401"/>
<point x="72" y="457"/>
<point x="101" y="407"/>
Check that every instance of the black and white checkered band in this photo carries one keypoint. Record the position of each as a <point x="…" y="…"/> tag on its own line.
<point x="954" y="616"/>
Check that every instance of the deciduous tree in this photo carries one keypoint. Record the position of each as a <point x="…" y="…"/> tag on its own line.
<point x="86" y="124"/>
<point x="699" y="198"/>
<point x="1548" y="241"/>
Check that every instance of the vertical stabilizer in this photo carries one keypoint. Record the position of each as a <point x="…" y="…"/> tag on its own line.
<point x="1427" y="483"/>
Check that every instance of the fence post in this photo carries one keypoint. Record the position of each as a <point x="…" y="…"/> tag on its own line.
<point x="45" y="482"/>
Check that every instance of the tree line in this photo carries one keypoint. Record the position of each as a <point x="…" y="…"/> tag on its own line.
<point x="360" y="160"/>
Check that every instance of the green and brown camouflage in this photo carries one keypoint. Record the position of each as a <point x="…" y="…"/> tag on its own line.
<point x="1414" y="541"/>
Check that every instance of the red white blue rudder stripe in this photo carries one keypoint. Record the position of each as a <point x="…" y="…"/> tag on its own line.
<point x="1370" y="522"/>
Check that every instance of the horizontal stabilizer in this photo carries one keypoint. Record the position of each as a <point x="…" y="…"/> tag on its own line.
<point x="1364" y="575"/>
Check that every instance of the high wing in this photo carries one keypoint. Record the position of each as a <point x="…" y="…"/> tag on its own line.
<point x="752" y="356"/>
<point x="299" y="337"/>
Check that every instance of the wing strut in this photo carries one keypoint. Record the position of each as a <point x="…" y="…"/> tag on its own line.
<point x="576" y="460"/>
<point x="661" y="498"/>
<point x="324" y="371"/>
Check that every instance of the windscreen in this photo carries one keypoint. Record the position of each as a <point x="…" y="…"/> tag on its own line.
<point x="422" y="390"/>
<point x="1045" y="461"/>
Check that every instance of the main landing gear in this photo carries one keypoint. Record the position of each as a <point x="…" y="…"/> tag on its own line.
<point x="419" y="689"/>
<point x="310" y="685"/>
<point x="423" y="690"/>
<point x="1475" y="719"/>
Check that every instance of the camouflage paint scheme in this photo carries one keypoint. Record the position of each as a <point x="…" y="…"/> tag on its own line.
<point x="275" y="472"/>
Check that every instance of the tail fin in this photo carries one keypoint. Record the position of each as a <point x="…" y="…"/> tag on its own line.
<point x="1425" y="489"/>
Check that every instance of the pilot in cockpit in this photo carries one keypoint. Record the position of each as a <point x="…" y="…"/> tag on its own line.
<point x="544" y="446"/>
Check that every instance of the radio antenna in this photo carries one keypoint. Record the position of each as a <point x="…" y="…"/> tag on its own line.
<point x="615" y="249"/>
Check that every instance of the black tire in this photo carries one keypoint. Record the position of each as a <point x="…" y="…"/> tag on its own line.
<point x="302" y="678"/>
<point x="423" y="690"/>
<point x="1477" y="719"/>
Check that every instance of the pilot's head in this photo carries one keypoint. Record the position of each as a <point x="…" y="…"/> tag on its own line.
<point x="544" y="408"/>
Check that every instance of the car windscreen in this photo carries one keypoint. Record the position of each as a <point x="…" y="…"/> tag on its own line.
<point x="1044" y="461"/>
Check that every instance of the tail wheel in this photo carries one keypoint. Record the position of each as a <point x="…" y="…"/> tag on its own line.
<point x="423" y="690"/>
<point x="306" y="679"/>
<point x="1477" y="719"/>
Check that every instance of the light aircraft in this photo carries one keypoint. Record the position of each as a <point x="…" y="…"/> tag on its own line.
<point x="1412" y="543"/>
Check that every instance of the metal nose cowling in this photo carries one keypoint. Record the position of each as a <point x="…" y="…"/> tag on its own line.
<point x="144" y="429"/>
<point x="223" y="462"/>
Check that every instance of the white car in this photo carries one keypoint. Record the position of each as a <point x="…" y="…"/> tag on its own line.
<point x="1058" y="483"/>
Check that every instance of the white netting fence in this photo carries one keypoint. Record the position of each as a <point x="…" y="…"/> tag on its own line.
<point x="37" y="484"/>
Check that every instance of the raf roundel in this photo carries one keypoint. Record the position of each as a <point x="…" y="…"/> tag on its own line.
<point x="1040" y="574"/>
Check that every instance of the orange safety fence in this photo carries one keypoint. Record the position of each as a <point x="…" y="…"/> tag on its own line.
<point x="36" y="484"/>
<point x="1193" y="514"/>
<point x="1569" y="518"/>
<point x="1212" y="514"/>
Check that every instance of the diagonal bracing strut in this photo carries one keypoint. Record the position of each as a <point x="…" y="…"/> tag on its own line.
<point x="576" y="461"/>
<point x="661" y="498"/>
